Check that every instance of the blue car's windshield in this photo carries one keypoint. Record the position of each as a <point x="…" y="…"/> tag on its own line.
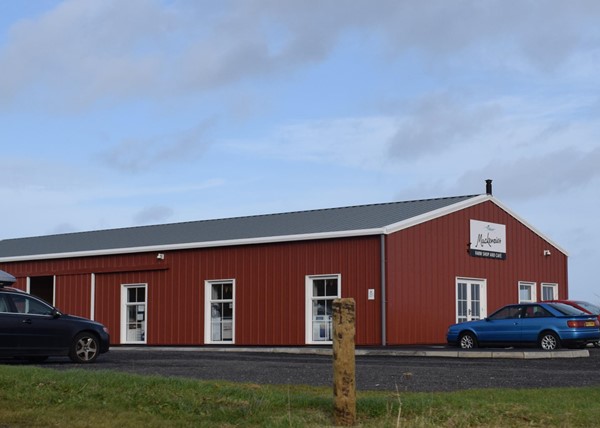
<point x="566" y="309"/>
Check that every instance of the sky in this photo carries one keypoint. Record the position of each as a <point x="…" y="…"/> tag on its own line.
<point x="117" y="113"/>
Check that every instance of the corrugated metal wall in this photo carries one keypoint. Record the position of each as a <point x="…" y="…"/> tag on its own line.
<point x="422" y="264"/>
<point x="270" y="288"/>
<point x="424" y="261"/>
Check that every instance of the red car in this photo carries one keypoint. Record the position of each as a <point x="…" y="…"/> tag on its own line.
<point x="587" y="307"/>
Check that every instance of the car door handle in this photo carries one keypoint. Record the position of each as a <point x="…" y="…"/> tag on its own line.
<point x="26" y="321"/>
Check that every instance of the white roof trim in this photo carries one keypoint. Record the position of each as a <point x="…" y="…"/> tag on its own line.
<point x="529" y="226"/>
<point x="192" y="245"/>
<point x="440" y="212"/>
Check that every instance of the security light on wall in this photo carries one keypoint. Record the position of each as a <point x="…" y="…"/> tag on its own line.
<point x="547" y="253"/>
<point x="160" y="256"/>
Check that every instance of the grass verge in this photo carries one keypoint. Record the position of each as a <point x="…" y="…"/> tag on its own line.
<point x="35" y="397"/>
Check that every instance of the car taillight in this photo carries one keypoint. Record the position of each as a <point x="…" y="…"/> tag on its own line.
<point x="583" y="323"/>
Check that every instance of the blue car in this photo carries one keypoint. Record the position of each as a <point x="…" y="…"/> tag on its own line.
<point x="547" y="325"/>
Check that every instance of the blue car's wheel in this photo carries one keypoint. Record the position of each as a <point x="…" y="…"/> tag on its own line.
<point x="549" y="341"/>
<point x="467" y="340"/>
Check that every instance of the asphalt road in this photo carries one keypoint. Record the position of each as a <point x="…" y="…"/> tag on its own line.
<point x="372" y="372"/>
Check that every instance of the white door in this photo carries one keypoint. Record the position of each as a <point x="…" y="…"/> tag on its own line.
<point x="471" y="300"/>
<point x="133" y="313"/>
<point x="220" y="312"/>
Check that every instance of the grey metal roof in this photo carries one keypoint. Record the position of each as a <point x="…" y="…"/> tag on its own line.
<point x="331" y="220"/>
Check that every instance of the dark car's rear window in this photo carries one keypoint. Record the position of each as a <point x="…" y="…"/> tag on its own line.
<point x="566" y="309"/>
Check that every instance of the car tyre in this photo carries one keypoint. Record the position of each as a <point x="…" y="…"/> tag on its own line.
<point x="549" y="341"/>
<point x="85" y="348"/>
<point x="467" y="340"/>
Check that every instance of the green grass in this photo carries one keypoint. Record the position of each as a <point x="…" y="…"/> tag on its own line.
<point x="35" y="397"/>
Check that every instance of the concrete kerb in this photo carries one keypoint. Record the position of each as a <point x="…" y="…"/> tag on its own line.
<point x="436" y="352"/>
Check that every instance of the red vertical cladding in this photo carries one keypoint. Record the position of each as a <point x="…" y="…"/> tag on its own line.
<point x="72" y="294"/>
<point x="424" y="262"/>
<point x="270" y="285"/>
<point x="108" y="304"/>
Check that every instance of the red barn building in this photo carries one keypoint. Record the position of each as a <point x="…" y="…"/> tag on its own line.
<point x="412" y="267"/>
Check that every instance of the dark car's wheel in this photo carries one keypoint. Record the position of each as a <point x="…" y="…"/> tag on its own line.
<point x="85" y="348"/>
<point x="549" y="341"/>
<point x="467" y="341"/>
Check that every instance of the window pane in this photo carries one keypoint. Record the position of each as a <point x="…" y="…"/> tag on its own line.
<point x="525" y="293"/>
<point x="331" y="288"/>
<point x="318" y="307"/>
<point x="547" y="293"/>
<point x="318" y="287"/>
<point x="462" y="291"/>
<point x="217" y="292"/>
<point x="227" y="292"/>
<point x="131" y="295"/>
<point x="329" y="307"/>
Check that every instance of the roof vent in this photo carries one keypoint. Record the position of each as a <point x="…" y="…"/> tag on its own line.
<point x="488" y="187"/>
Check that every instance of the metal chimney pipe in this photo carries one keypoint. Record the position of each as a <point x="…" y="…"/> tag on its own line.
<point x="488" y="187"/>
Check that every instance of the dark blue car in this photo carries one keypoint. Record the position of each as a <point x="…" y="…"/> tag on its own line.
<point x="547" y="325"/>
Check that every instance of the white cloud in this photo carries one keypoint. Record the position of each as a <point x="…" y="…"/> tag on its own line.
<point x="139" y="155"/>
<point x="108" y="49"/>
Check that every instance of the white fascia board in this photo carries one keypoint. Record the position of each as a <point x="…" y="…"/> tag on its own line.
<point x="529" y="226"/>
<point x="466" y="204"/>
<point x="193" y="245"/>
<point x="413" y="221"/>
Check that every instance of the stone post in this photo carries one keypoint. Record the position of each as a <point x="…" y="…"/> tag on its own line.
<point x="344" y="372"/>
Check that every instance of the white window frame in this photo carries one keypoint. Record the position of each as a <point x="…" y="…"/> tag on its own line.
<point x="308" y="305"/>
<point x="124" y="305"/>
<point x="533" y="287"/>
<point x="552" y="286"/>
<point x="208" y="307"/>
<point x="482" y="295"/>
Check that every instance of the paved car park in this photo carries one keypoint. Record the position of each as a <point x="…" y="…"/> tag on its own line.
<point x="374" y="372"/>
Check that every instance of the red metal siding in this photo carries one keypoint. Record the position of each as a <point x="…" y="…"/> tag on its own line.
<point x="270" y="286"/>
<point x="424" y="261"/>
<point x="72" y="294"/>
<point x="269" y="278"/>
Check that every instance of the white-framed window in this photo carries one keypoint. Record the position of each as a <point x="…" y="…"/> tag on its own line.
<point x="549" y="291"/>
<point x="133" y="313"/>
<point x="321" y="291"/>
<point x="219" y="311"/>
<point x="471" y="299"/>
<point x="527" y="292"/>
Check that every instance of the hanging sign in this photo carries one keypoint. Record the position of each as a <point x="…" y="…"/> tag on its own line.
<point x="488" y="240"/>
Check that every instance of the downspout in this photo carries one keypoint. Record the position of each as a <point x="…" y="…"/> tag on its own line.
<point x="383" y="298"/>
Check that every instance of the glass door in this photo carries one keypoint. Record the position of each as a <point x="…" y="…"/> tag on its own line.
<point x="134" y="314"/>
<point x="470" y="300"/>
<point x="220" y="310"/>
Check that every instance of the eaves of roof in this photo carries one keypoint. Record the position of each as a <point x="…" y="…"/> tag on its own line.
<point x="382" y="230"/>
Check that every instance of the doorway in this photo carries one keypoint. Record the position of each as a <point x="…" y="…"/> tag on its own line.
<point x="42" y="287"/>
<point x="471" y="299"/>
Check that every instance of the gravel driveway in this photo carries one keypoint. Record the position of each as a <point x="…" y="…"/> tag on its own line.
<point x="372" y="372"/>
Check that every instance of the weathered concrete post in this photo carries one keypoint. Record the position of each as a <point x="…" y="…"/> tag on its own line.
<point x="344" y="372"/>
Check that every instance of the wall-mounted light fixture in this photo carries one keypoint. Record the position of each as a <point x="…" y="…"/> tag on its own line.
<point x="160" y="256"/>
<point x="547" y="253"/>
